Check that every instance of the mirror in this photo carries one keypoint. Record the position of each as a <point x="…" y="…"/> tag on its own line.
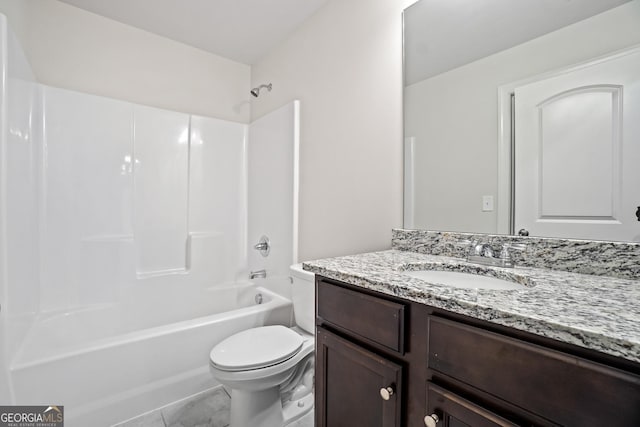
<point x="458" y="55"/>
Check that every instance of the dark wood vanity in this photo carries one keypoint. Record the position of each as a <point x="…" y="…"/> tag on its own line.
<point x="386" y="361"/>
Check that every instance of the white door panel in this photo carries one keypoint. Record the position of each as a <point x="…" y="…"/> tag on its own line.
<point x="576" y="151"/>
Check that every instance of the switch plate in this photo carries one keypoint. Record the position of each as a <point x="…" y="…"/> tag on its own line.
<point x="487" y="203"/>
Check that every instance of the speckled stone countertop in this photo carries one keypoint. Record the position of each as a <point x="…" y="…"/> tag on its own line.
<point x="597" y="312"/>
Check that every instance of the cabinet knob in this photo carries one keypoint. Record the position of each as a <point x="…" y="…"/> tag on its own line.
<point x="431" y="420"/>
<point x="386" y="393"/>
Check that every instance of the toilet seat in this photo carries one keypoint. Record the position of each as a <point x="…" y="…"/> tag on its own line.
<point x="238" y="352"/>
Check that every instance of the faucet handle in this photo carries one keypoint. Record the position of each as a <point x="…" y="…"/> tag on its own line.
<point x="505" y="254"/>
<point x="263" y="246"/>
<point x="469" y="245"/>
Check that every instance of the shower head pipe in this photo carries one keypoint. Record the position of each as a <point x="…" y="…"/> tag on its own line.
<point x="256" y="90"/>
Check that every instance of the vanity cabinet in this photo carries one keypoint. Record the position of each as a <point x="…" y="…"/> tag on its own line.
<point x="386" y="361"/>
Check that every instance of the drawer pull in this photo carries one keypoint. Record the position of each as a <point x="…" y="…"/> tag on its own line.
<point x="431" y="420"/>
<point x="386" y="393"/>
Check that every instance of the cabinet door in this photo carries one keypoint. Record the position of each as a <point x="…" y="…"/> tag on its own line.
<point x="452" y="410"/>
<point x="349" y="380"/>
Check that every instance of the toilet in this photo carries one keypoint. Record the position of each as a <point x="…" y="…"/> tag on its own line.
<point x="270" y="369"/>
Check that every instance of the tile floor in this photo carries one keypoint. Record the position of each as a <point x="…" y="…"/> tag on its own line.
<point x="207" y="409"/>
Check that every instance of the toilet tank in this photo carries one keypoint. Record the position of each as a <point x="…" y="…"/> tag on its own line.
<point x="303" y="295"/>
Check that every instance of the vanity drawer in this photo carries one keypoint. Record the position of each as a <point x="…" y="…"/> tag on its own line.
<point x="566" y="389"/>
<point x="368" y="318"/>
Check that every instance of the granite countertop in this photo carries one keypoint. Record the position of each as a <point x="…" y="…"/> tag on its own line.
<point x="597" y="312"/>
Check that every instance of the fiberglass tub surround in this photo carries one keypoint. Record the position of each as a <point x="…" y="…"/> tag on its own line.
<point x="127" y="239"/>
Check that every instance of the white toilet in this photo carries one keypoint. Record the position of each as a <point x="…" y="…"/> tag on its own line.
<point x="270" y="369"/>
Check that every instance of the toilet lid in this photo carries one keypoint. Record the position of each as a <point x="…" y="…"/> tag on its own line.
<point x="256" y="348"/>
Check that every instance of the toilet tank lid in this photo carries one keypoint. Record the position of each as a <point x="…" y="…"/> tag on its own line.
<point x="256" y="348"/>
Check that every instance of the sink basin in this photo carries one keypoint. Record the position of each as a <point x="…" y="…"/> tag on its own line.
<point x="463" y="280"/>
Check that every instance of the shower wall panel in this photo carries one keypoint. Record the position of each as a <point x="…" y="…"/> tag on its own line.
<point x="273" y="189"/>
<point x="87" y="194"/>
<point x="217" y="199"/>
<point x="137" y="201"/>
<point x="19" y="258"/>
<point x="22" y="174"/>
<point x="161" y="188"/>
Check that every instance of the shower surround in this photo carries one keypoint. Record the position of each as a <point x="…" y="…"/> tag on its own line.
<point x="124" y="245"/>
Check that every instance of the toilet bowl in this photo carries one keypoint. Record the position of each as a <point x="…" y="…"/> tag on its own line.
<point x="270" y="369"/>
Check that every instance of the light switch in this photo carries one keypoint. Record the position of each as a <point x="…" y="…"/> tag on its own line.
<point x="487" y="203"/>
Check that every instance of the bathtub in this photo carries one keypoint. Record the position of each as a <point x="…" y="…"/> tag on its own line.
<point x="108" y="363"/>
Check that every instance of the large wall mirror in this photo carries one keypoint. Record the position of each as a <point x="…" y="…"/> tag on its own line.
<point x="558" y="156"/>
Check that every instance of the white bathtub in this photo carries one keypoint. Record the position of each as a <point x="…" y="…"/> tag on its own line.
<point x="108" y="363"/>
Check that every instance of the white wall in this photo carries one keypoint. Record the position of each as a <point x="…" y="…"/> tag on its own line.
<point x="345" y="66"/>
<point x="454" y="117"/>
<point x="74" y="49"/>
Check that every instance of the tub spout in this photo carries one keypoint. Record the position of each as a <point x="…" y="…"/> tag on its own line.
<point x="258" y="274"/>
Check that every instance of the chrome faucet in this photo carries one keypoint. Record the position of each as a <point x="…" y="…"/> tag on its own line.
<point x="483" y="253"/>
<point x="484" y="250"/>
<point x="258" y="274"/>
<point x="263" y="246"/>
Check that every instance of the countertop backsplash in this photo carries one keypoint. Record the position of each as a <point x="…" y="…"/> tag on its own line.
<point x="600" y="258"/>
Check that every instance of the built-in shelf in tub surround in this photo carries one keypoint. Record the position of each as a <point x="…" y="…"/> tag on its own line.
<point x="595" y="312"/>
<point x="615" y="259"/>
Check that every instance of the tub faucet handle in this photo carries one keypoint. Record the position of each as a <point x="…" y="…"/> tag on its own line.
<point x="263" y="245"/>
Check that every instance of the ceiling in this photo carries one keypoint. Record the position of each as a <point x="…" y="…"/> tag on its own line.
<point x="241" y="30"/>
<point x="442" y="35"/>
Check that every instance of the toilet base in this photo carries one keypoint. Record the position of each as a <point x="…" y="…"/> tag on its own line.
<point x="266" y="409"/>
<point x="256" y="408"/>
<point x="296" y="409"/>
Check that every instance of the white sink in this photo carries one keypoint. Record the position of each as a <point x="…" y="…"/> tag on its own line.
<point x="463" y="280"/>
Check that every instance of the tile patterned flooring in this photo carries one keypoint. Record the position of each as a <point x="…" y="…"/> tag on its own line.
<point x="207" y="409"/>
